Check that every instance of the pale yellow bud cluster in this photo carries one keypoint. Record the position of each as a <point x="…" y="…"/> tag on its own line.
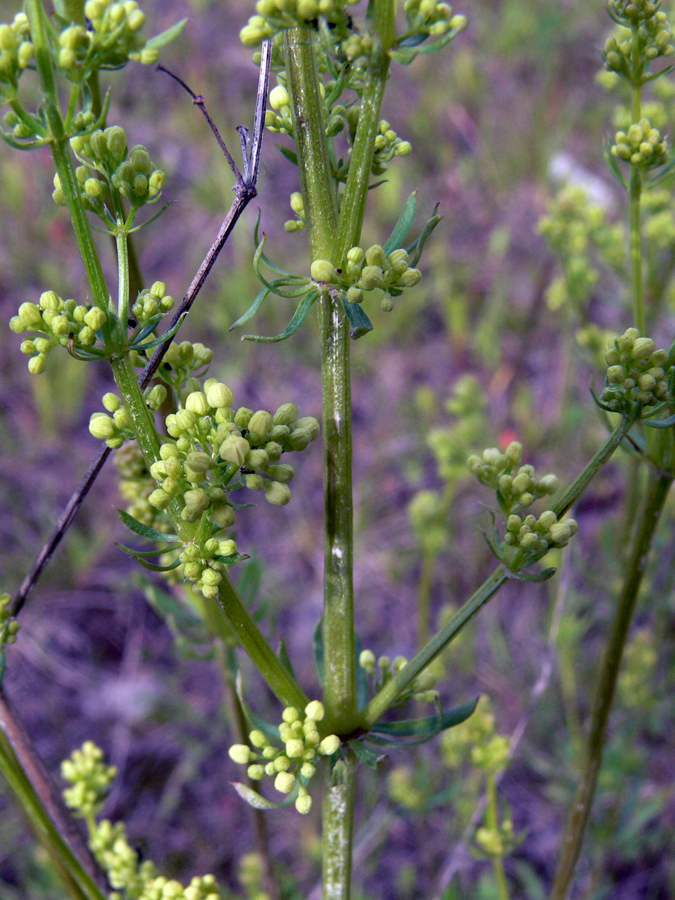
<point x="641" y="145"/>
<point x="16" y="53"/>
<point x="517" y="486"/>
<point x="58" y="322"/>
<point x="537" y="535"/>
<point x="9" y="626"/>
<point x="368" y="270"/>
<point x="89" y="778"/>
<point x="273" y="16"/>
<point x="649" y="26"/>
<point x="637" y="373"/>
<point x="293" y="765"/>
<point x="152" y="304"/>
<point x="421" y="688"/>
<point x="433" y="17"/>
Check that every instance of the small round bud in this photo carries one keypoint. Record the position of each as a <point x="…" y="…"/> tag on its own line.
<point x="303" y="804"/>
<point x="234" y="450"/>
<point x="315" y="711"/>
<point x="258" y="739"/>
<point x="218" y="395"/>
<point x="95" y="318"/>
<point x="240" y="753"/>
<point x="286" y="414"/>
<point x="284" y="782"/>
<point x="101" y="426"/>
<point x="276" y="493"/>
<point x="329" y="745"/>
<point x="259" y="425"/>
<point x="295" y="748"/>
<point x="279" y="97"/>
<point x="322" y="270"/>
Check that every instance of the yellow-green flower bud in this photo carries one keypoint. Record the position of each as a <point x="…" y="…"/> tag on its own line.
<point x="218" y="394"/>
<point x="315" y="711"/>
<point x="242" y="417"/>
<point x="643" y="348"/>
<point x="95" y="318"/>
<point x="196" y="501"/>
<point x="122" y="418"/>
<point x="256" y="772"/>
<point x="286" y="414"/>
<point x="410" y="278"/>
<point x="279" y="97"/>
<point x="290" y="715"/>
<point x="283" y="472"/>
<point x="199" y="461"/>
<point x="303" y="803"/>
<point x="94" y="188"/>
<point x="367" y="661"/>
<point x="111" y="402"/>
<point x="240" y="753"/>
<point x="36" y="364"/>
<point x="323" y="270"/>
<point x="257" y="459"/>
<point x="259" y="425"/>
<point x="284" y="782"/>
<point x="276" y="493"/>
<point x="159" y="499"/>
<point x="30" y="314"/>
<point x="234" y="450"/>
<point x="375" y="256"/>
<point x="295" y="748"/>
<point x="329" y="745"/>
<point x="259" y="739"/>
<point x="101" y="426"/>
<point x="135" y="20"/>
<point x="140" y="160"/>
<point x="255" y="482"/>
<point x="371" y="278"/>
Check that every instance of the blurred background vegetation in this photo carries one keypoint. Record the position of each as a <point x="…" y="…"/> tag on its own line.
<point x="483" y="352"/>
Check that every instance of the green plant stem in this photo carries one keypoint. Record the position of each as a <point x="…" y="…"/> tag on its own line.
<point x="338" y="827"/>
<point x="637" y="286"/>
<point x="384" y="699"/>
<point x="492" y="822"/>
<point x="50" y="825"/>
<point x="655" y="497"/>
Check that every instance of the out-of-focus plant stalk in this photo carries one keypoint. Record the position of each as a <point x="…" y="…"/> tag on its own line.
<point x="655" y="497"/>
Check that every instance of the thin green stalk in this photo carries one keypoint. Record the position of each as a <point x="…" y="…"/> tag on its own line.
<point x="383" y="700"/>
<point x="637" y="286"/>
<point x="492" y="823"/>
<point x="657" y="490"/>
<point x="80" y="883"/>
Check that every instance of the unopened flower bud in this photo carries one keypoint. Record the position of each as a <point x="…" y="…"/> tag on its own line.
<point x="218" y="395"/>
<point x="323" y="270"/>
<point x="315" y="711"/>
<point x="276" y="493"/>
<point x="284" y="782"/>
<point x="95" y="318"/>
<point x="259" y="425"/>
<point x="101" y="426"/>
<point x="329" y="745"/>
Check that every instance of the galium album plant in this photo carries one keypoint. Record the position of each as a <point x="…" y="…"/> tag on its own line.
<point x="190" y="457"/>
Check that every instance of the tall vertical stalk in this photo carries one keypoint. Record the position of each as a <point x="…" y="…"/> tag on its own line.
<point x="655" y="497"/>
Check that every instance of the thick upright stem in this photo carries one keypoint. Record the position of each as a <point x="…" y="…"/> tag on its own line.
<point x="338" y="828"/>
<point x="655" y="498"/>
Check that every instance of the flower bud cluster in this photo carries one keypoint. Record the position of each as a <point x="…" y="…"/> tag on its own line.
<point x="89" y="778"/>
<point x="273" y="16"/>
<point x="298" y="208"/>
<point x="111" y="37"/>
<point x="388" y="145"/>
<point x="538" y="535"/>
<point x="641" y="145"/>
<point x="9" y="626"/>
<point x="368" y="270"/>
<point x="105" y="153"/>
<point x="119" y="860"/>
<point x="578" y="232"/>
<point x="16" y="53"/>
<point x="293" y="765"/>
<point x="654" y="37"/>
<point x="114" y="426"/>
<point x="57" y="321"/>
<point x="516" y="490"/>
<point x="421" y="688"/>
<point x="136" y="485"/>
<point x="181" y="363"/>
<point x="278" y="118"/>
<point x="152" y="303"/>
<point x="432" y="17"/>
<point x="637" y="373"/>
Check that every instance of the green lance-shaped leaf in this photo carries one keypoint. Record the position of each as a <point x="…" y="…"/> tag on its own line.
<point x="366" y="754"/>
<point x="420" y="730"/>
<point x="403" y="226"/>
<point x="165" y="37"/>
<point x="298" y="318"/>
<point x="257" y="801"/>
<point x="534" y="577"/>
<point x="267" y="728"/>
<point x="140" y="558"/>
<point x="145" y="530"/>
<point x="358" y="319"/>
<point x="417" y="246"/>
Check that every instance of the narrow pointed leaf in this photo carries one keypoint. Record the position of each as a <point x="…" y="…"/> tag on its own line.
<point x="358" y="319"/>
<point x="318" y="649"/>
<point x="403" y="226"/>
<point x="295" y="323"/>
<point x="256" y="800"/>
<point x="288" y="154"/>
<point x="146" y="565"/>
<point x="417" y="246"/>
<point x="534" y="577"/>
<point x="284" y="656"/>
<point x="164" y="37"/>
<point x="253" y="308"/>
<point x="660" y="423"/>
<point x="145" y="530"/>
<point x="427" y="727"/>
<point x="150" y="345"/>
<point x="365" y="754"/>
